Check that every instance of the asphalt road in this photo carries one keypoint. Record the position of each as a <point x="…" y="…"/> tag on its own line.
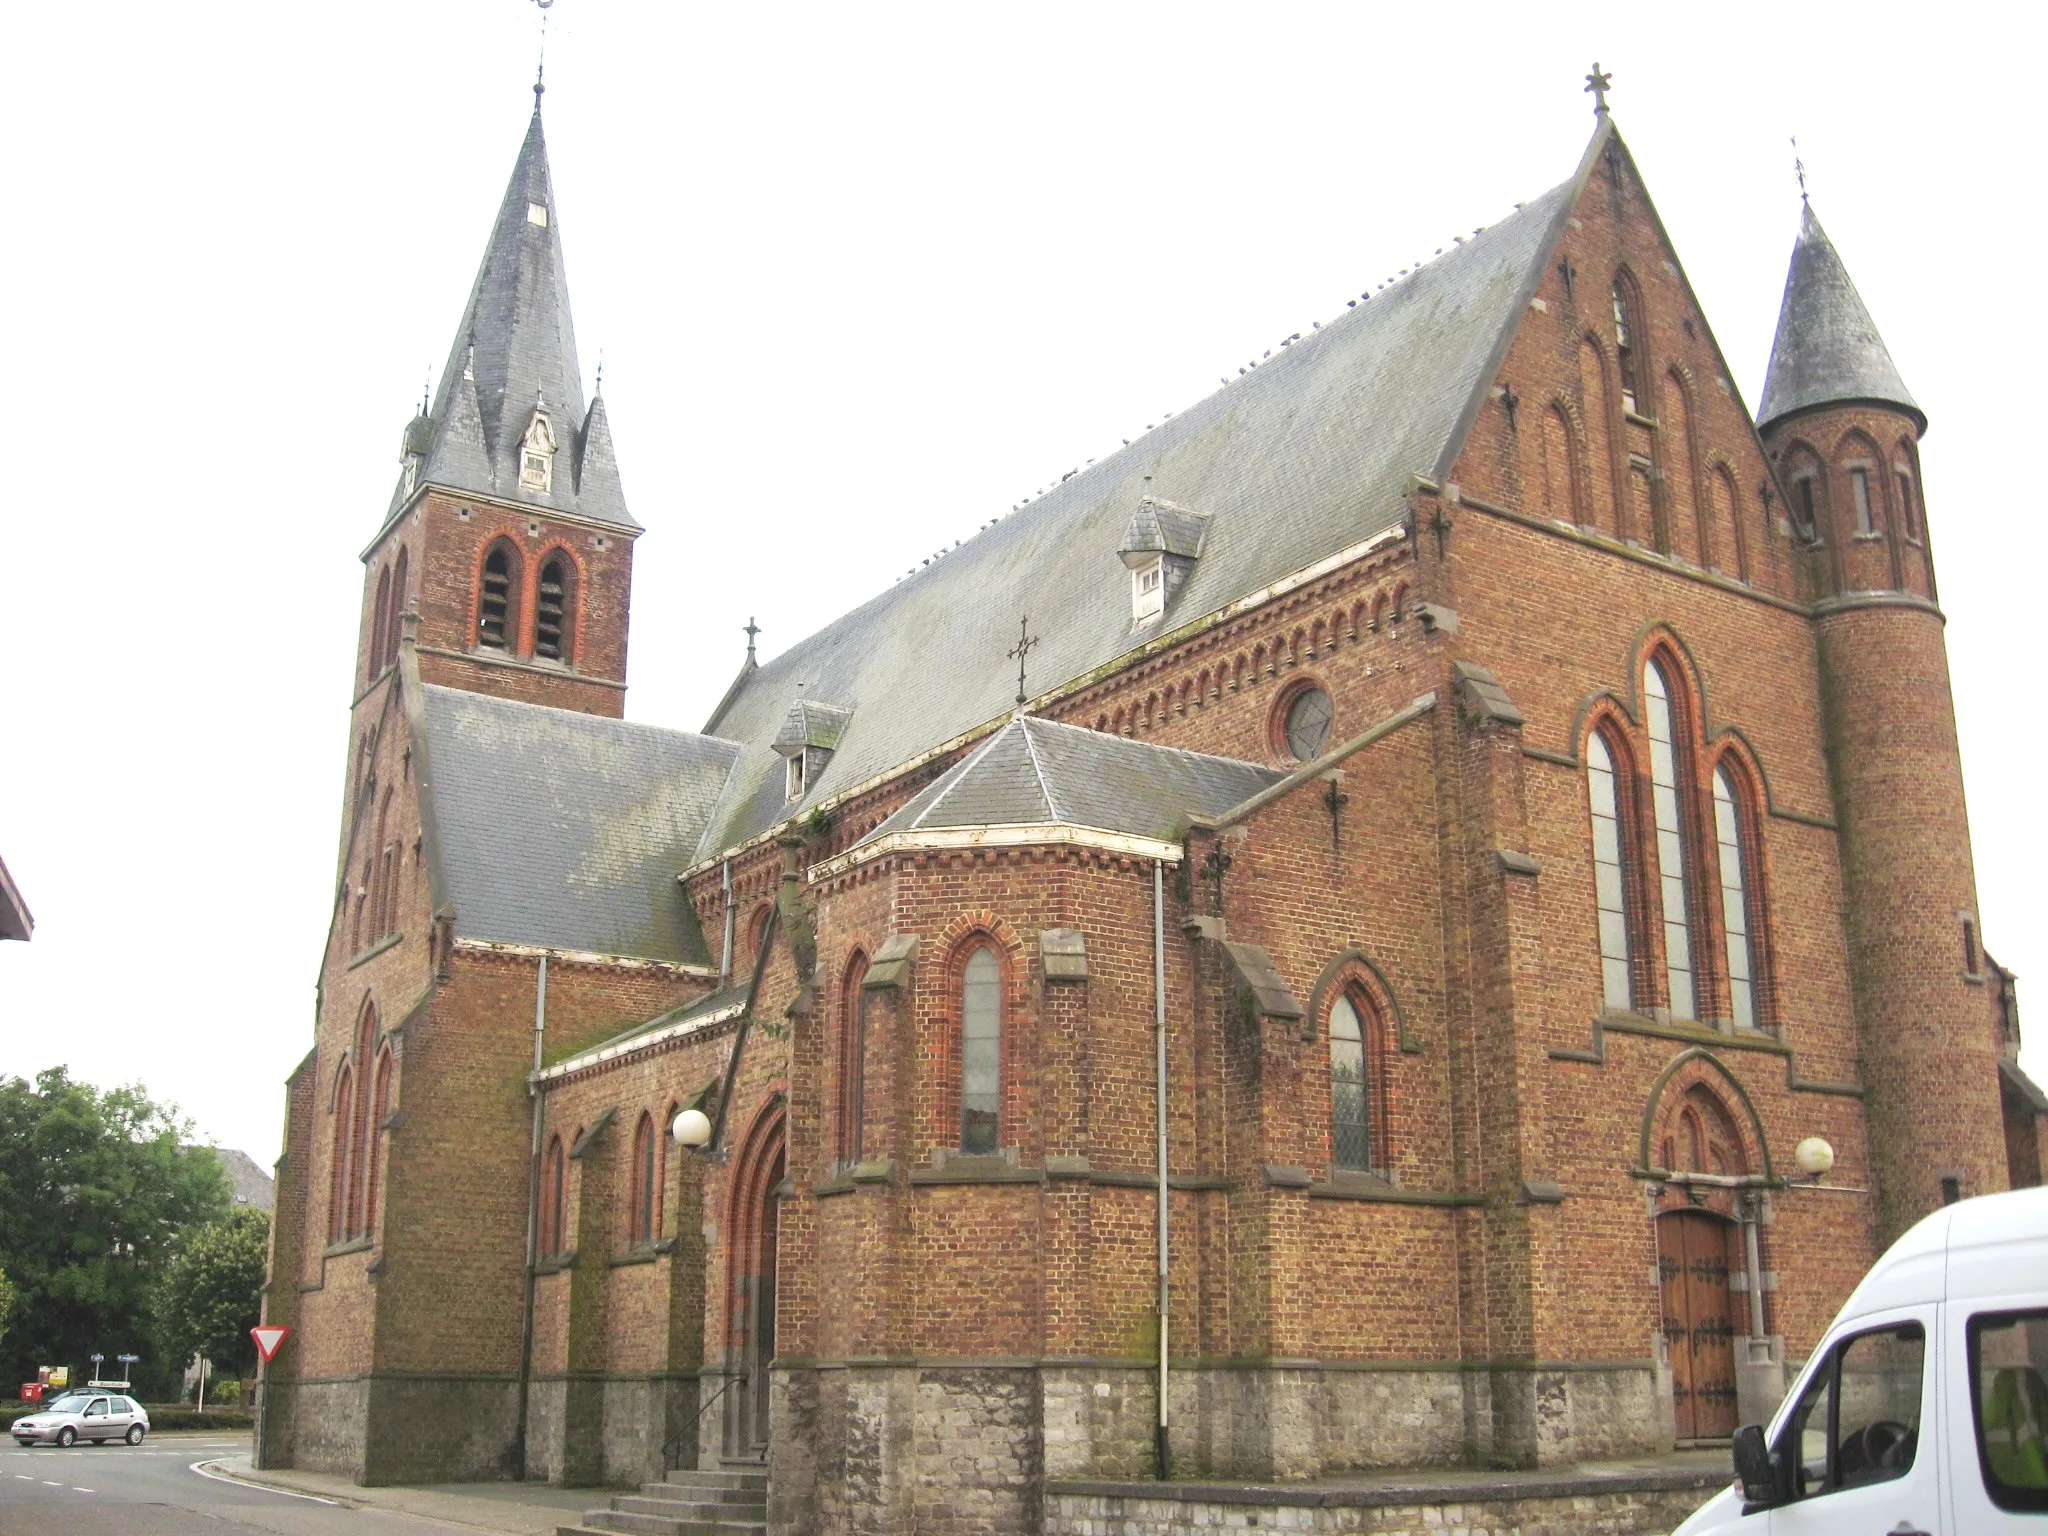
<point x="151" y="1490"/>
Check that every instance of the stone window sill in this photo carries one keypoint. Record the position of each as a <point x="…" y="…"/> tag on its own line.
<point x="555" y="1263"/>
<point x="1874" y="536"/>
<point x="389" y="941"/>
<point x="361" y="1244"/>
<point x="643" y="1253"/>
<point x="1352" y="1184"/>
<point x="993" y="1168"/>
<point x="845" y="1179"/>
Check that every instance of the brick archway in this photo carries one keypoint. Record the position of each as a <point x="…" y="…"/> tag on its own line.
<point x="753" y="1225"/>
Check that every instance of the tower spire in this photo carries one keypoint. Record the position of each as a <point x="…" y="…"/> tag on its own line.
<point x="1827" y="350"/>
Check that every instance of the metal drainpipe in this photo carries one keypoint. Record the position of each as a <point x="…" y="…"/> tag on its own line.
<point x="725" y="959"/>
<point x="539" y="1095"/>
<point x="1159" y="1034"/>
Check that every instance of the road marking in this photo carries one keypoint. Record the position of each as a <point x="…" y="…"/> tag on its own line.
<point x="218" y="1476"/>
<point x="76" y="1489"/>
<point x="48" y="1484"/>
<point x="24" y="1477"/>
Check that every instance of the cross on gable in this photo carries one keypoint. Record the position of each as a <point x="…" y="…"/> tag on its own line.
<point x="1026" y="644"/>
<point x="1598" y="84"/>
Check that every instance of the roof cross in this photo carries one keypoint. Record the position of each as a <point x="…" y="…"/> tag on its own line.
<point x="752" y="629"/>
<point x="1598" y="84"/>
<point x="541" y="70"/>
<point x="1799" y="169"/>
<point x="1026" y="644"/>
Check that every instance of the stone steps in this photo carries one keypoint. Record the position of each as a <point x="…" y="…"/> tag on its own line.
<point x="714" y="1502"/>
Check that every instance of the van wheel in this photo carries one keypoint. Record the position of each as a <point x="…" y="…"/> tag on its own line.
<point x="67" y="1436"/>
<point x="135" y="1434"/>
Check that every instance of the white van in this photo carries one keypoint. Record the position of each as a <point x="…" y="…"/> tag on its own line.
<point x="1924" y="1410"/>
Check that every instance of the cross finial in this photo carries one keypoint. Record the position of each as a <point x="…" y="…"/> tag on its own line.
<point x="1598" y="84"/>
<point x="541" y="69"/>
<point x="1799" y="169"/>
<point x="1026" y="644"/>
<point x="752" y="629"/>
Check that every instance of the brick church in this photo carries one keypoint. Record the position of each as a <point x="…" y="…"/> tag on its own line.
<point x="1486" y="805"/>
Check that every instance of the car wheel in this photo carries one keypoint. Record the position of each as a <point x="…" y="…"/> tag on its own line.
<point x="67" y="1436"/>
<point x="24" y="1444"/>
<point x="135" y="1434"/>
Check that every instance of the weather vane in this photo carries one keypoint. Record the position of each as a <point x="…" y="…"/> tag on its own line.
<point x="1799" y="168"/>
<point x="1026" y="644"/>
<point x="1598" y="84"/>
<point x="541" y="69"/>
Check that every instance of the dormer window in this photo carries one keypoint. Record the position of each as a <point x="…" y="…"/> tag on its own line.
<point x="1148" y="590"/>
<point x="537" y="455"/>
<point x="793" y="777"/>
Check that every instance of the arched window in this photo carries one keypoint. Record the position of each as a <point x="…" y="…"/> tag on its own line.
<point x="640" y="1217"/>
<point x="757" y="931"/>
<point x="981" y="1052"/>
<point x="362" y="1141"/>
<point x="1611" y="858"/>
<point x="1734" y="900"/>
<point x="380" y="617"/>
<point x="553" y="1182"/>
<point x="380" y="885"/>
<point x="853" y="1047"/>
<point x="1668" y="801"/>
<point x="1909" y="516"/>
<point x="1352" y="1127"/>
<point x="400" y="575"/>
<point x="337" y="1177"/>
<point x="497" y="602"/>
<point x="380" y="1108"/>
<point x="1625" y="342"/>
<point x="554" y="615"/>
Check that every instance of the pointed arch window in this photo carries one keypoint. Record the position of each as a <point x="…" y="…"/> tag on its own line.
<point x="1624" y="343"/>
<point x="554" y="609"/>
<point x="981" y="1052"/>
<point x="1909" y="518"/>
<point x="1611" y="859"/>
<point x="553" y="1183"/>
<point x="1668" y="803"/>
<point x="1735" y="900"/>
<point x="1353" y="1123"/>
<point x="537" y="455"/>
<point x="373" y="1132"/>
<point x="337" y="1174"/>
<point x="853" y="1046"/>
<point x="642" y="1217"/>
<point x="380" y="618"/>
<point x="497" y="603"/>
<point x="401" y="575"/>
<point x="362" y="1144"/>
<point x="1859" y="486"/>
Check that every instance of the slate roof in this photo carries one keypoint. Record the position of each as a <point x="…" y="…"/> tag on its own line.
<point x="1827" y="350"/>
<point x="1308" y="455"/>
<point x="514" y="348"/>
<point x="567" y="830"/>
<point x="1037" y="772"/>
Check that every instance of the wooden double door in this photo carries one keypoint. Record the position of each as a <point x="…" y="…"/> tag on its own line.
<point x="1697" y="1255"/>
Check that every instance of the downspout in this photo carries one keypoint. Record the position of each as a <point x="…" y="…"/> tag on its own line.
<point x="725" y="958"/>
<point x="538" y="1091"/>
<point x="1159" y="1033"/>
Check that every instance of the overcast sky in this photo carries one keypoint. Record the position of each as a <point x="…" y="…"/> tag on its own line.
<point x="861" y="278"/>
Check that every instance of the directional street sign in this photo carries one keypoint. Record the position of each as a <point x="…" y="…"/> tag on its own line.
<point x="269" y="1339"/>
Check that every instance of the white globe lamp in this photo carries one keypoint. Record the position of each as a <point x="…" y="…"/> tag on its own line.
<point x="692" y="1128"/>
<point x="1814" y="1157"/>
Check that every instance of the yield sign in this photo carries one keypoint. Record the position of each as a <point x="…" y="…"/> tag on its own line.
<point x="269" y="1339"/>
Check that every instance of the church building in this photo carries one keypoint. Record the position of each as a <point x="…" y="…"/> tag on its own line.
<point x="1457" y="948"/>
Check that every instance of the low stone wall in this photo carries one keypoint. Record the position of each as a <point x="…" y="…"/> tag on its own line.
<point x="1646" y="1506"/>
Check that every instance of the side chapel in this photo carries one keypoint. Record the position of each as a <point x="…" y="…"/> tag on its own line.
<point x="1486" y="802"/>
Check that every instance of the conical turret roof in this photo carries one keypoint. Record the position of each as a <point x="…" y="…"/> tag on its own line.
<point x="514" y="354"/>
<point x="1827" y="350"/>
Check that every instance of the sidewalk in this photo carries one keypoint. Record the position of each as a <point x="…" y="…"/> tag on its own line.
<point x="519" y="1509"/>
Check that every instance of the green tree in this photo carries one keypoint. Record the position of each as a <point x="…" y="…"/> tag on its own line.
<point x="210" y="1292"/>
<point x="6" y="1303"/>
<point x="95" y="1187"/>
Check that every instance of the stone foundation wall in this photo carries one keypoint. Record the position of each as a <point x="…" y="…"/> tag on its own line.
<point x="440" y="1429"/>
<point x="1645" y="1512"/>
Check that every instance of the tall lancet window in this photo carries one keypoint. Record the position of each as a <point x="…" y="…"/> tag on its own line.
<point x="1624" y="344"/>
<point x="537" y="455"/>
<point x="1670" y="815"/>
<point x="1609" y="839"/>
<point x="1734" y="901"/>
<point x="981" y="1052"/>
<point x="1351" y="1127"/>
<point x="497" y="602"/>
<point x="553" y="609"/>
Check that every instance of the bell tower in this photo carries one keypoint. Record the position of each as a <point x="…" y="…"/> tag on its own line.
<point x="507" y="534"/>
<point x="1844" y="435"/>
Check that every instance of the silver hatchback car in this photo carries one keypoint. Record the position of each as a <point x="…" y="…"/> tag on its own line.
<point x="88" y="1415"/>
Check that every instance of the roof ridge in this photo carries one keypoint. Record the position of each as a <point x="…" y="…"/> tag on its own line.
<point x="1052" y="804"/>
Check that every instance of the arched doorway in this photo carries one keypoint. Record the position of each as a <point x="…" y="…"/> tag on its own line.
<point x="755" y="1225"/>
<point x="1699" y="1253"/>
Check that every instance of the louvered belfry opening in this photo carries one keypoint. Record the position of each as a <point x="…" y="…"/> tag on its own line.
<point x="551" y="634"/>
<point x="494" y="609"/>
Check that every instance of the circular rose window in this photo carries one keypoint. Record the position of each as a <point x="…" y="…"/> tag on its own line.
<point x="1308" y="724"/>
